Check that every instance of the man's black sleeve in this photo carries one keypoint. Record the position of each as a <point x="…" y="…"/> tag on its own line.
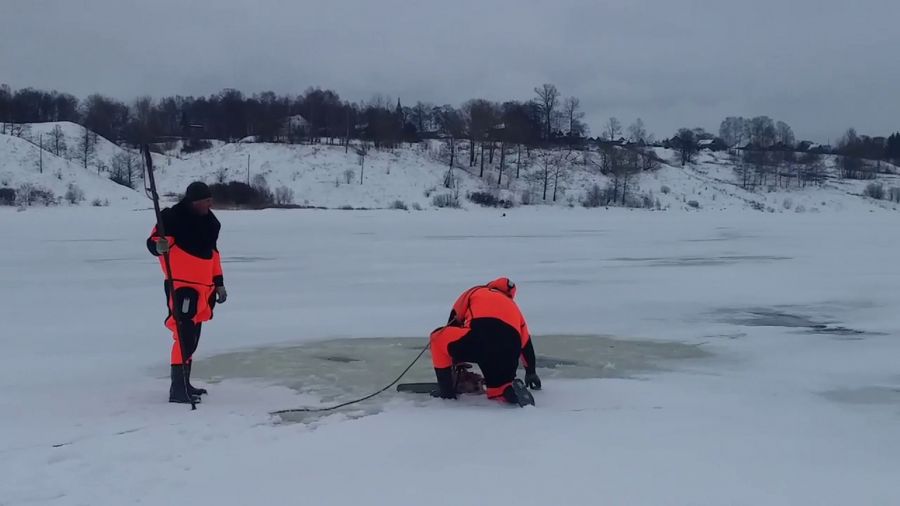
<point x="529" y="357"/>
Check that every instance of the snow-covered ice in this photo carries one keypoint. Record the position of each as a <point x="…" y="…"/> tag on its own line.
<point x="794" y="400"/>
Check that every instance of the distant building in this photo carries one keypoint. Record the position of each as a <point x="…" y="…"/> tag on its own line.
<point x="296" y="122"/>
<point x="712" y="144"/>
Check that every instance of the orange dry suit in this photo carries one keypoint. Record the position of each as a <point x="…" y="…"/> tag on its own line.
<point x="485" y="327"/>
<point x="196" y="272"/>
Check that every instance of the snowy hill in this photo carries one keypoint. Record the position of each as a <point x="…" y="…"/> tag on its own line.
<point x="20" y="168"/>
<point x="71" y="143"/>
<point x="320" y="175"/>
<point x="712" y="182"/>
<point x="329" y="176"/>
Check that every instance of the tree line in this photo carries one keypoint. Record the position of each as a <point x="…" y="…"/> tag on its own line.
<point x="766" y="151"/>
<point x="316" y="114"/>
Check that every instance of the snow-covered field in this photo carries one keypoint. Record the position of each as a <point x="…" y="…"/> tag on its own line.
<point x="782" y="412"/>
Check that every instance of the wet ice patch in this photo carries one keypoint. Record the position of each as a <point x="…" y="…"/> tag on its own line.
<point x="698" y="261"/>
<point x="245" y="259"/>
<point x="339" y="370"/>
<point x="498" y="236"/>
<point x="792" y="317"/>
<point x="865" y="395"/>
<point x="723" y="234"/>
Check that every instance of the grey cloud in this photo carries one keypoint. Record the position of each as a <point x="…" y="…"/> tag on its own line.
<point x="820" y="65"/>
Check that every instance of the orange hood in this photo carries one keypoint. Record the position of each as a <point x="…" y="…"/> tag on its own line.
<point x="503" y="285"/>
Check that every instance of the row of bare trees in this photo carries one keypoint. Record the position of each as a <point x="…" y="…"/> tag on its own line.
<point x="310" y="117"/>
<point x="779" y="169"/>
<point x="760" y="132"/>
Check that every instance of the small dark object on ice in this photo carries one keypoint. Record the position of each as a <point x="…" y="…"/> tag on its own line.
<point x="417" y="388"/>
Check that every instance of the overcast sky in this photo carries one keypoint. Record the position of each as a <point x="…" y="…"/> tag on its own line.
<point x="820" y="65"/>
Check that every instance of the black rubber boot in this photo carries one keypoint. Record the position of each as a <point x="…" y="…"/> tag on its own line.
<point x="176" y="390"/>
<point x="191" y="388"/>
<point x="516" y="393"/>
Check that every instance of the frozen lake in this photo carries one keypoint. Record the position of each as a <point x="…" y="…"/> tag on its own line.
<point x="687" y="358"/>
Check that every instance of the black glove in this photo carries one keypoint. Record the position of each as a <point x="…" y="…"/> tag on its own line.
<point x="532" y="380"/>
<point x="221" y="294"/>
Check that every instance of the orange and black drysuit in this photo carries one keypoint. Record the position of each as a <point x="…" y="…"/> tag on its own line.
<point x="196" y="272"/>
<point x="485" y="327"/>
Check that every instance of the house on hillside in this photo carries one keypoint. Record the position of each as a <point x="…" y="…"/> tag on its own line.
<point x="712" y="144"/>
<point x="296" y="126"/>
<point x="812" y="147"/>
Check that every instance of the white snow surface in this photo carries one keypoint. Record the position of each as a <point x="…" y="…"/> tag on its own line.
<point x="777" y="416"/>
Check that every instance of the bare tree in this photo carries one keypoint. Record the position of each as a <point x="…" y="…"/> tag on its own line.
<point x="637" y="133"/>
<point x="503" y="149"/>
<point x="552" y="162"/>
<point x="686" y="143"/>
<point x="762" y="131"/>
<point x="560" y="169"/>
<point x="421" y="117"/>
<point x="812" y="170"/>
<point x="733" y="131"/>
<point x="362" y="151"/>
<point x="788" y="168"/>
<point x="853" y="167"/>
<point x="6" y="100"/>
<point x="548" y="101"/>
<point x="143" y="126"/>
<point x="574" y="117"/>
<point x="612" y="129"/>
<point x="629" y="170"/>
<point x="124" y="168"/>
<point x="58" y="140"/>
<point x="754" y="168"/>
<point x="611" y="164"/>
<point x="87" y="146"/>
<point x="20" y="130"/>
<point x="284" y="196"/>
<point x="784" y="134"/>
<point x="648" y="160"/>
<point x="481" y="117"/>
<point x="451" y="124"/>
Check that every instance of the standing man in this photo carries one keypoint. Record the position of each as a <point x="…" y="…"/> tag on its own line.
<point x="486" y="327"/>
<point x="192" y="233"/>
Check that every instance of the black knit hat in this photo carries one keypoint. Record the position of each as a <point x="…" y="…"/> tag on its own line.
<point x="197" y="191"/>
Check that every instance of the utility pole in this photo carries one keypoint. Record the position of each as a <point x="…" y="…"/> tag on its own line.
<point x="41" y="167"/>
<point x="248" y="169"/>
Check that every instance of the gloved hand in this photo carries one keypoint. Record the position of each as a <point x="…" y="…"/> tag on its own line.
<point x="532" y="380"/>
<point x="162" y="245"/>
<point x="221" y="294"/>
